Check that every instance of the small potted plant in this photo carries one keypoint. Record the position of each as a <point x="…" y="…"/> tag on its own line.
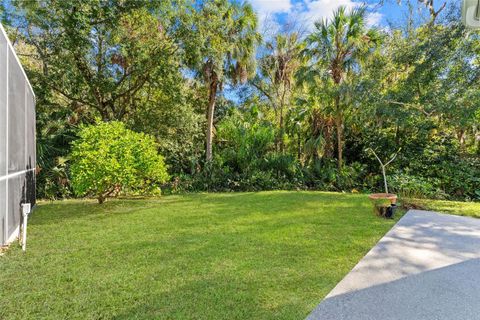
<point x="384" y="204"/>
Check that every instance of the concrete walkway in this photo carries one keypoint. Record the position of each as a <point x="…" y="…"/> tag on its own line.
<point x="426" y="267"/>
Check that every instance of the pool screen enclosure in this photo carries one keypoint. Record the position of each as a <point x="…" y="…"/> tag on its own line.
<point x="17" y="141"/>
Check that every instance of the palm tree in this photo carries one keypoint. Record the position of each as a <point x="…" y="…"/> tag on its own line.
<point x="219" y="39"/>
<point x="276" y="78"/>
<point x="337" y="46"/>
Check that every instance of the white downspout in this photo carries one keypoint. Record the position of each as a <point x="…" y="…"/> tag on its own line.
<point x="26" y="208"/>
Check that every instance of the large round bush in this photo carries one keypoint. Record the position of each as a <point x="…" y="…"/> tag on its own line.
<point x="108" y="159"/>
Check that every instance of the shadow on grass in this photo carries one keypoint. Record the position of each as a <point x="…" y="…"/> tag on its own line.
<point x="57" y="212"/>
<point x="220" y="296"/>
<point x="269" y="255"/>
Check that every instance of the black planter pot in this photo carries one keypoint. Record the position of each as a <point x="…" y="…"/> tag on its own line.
<point x="390" y="211"/>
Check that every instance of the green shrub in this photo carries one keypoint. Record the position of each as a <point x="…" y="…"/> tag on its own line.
<point x="456" y="174"/>
<point x="414" y="187"/>
<point x="108" y="159"/>
<point x="244" y="146"/>
<point x="55" y="182"/>
<point x="324" y="175"/>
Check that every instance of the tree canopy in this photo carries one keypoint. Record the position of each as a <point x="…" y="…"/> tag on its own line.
<point x="233" y="109"/>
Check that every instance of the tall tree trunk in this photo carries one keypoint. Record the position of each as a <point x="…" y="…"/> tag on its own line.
<point x="328" y="135"/>
<point x="339" y="125"/>
<point x="210" y="112"/>
<point x="476" y="139"/>
<point x="461" y="138"/>
<point x="280" y="138"/>
<point x="282" y="106"/>
<point x="299" y="146"/>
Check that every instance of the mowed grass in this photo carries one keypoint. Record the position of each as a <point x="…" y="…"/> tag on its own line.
<point x="270" y="255"/>
<point x="468" y="209"/>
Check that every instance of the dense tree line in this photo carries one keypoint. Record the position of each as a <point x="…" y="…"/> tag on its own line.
<point x="234" y="109"/>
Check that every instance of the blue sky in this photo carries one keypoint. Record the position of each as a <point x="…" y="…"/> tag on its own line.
<point x="307" y="11"/>
<point x="275" y="13"/>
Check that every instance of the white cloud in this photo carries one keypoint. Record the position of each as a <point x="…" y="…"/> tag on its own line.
<point x="271" y="6"/>
<point x="305" y="11"/>
<point x="266" y="11"/>
<point x="374" y="19"/>
<point x="315" y="10"/>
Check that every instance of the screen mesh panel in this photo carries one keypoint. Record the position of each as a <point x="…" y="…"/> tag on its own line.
<point x="17" y="141"/>
<point x="3" y="105"/>
<point x="16" y="117"/>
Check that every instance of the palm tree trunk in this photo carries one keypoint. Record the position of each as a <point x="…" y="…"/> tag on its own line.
<point x="280" y="138"/>
<point x="299" y="146"/>
<point x="210" y="113"/>
<point x="328" y="135"/>
<point x="282" y="106"/>
<point x="339" y="125"/>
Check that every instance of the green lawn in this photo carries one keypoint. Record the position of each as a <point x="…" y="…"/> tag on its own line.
<point x="270" y="255"/>
<point x="469" y="209"/>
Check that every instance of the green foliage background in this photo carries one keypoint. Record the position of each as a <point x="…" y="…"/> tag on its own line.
<point x="285" y="107"/>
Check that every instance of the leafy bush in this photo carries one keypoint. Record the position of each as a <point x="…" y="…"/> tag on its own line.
<point x="441" y="160"/>
<point x="324" y="175"/>
<point x="108" y="159"/>
<point x="246" y="158"/>
<point x="244" y="145"/>
<point x="461" y="179"/>
<point x="55" y="182"/>
<point x="408" y="186"/>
